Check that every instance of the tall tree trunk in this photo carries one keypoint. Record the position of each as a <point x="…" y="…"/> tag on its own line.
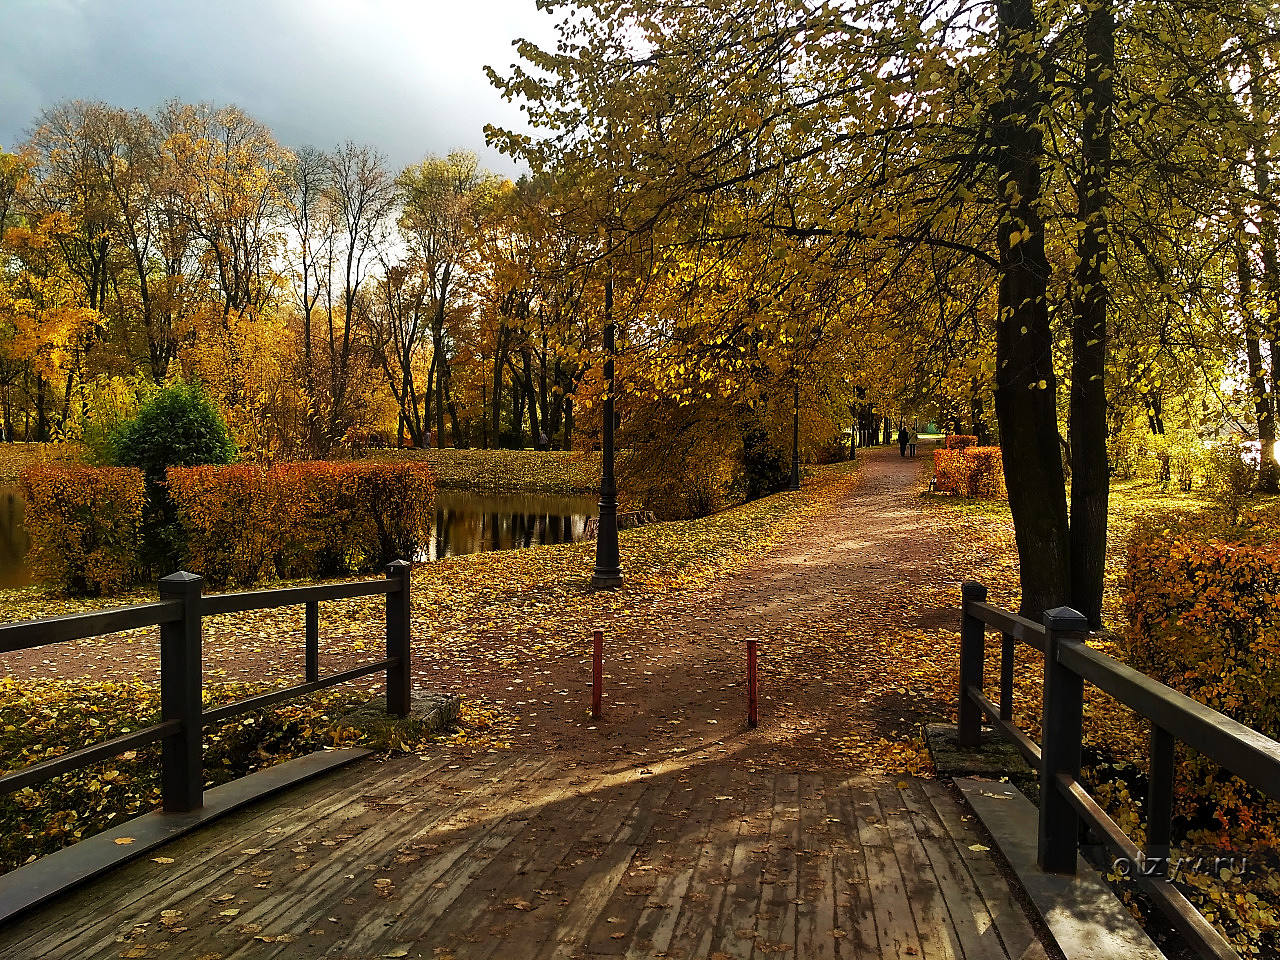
<point x="1090" y="475"/>
<point x="1026" y="404"/>
<point x="1263" y="410"/>
<point x="437" y="338"/>
<point x="499" y="359"/>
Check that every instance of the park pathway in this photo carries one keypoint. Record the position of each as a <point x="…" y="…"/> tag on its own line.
<point x="666" y="830"/>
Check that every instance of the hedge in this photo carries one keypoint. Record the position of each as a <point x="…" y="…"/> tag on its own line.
<point x="969" y="471"/>
<point x="1201" y="615"/>
<point x="958" y="441"/>
<point x="242" y="524"/>
<point x="85" y="526"/>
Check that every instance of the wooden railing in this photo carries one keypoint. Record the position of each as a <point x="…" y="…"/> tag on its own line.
<point x="180" y="614"/>
<point x="1065" y="803"/>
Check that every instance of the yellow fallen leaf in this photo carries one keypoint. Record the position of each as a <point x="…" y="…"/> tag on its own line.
<point x="123" y="841"/>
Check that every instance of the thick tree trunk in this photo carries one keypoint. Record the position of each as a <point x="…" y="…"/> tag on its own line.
<point x="1025" y="397"/>
<point x="1090" y="474"/>
<point x="1262" y="407"/>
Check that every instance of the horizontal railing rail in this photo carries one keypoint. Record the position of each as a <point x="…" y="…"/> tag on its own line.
<point x="1065" y="802"/>
<point x="180" y="614"/>
<point x="80" y="626"/>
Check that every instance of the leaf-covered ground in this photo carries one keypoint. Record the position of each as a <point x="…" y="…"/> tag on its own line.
<point x="508" y="471"/>
<point x="16" y="457"/>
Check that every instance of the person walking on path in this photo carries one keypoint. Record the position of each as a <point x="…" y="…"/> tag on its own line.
<point x="903" y="439"/>
<point x="912" y="440"/>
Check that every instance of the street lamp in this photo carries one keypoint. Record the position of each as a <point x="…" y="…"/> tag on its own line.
<point x="607" y="573"/>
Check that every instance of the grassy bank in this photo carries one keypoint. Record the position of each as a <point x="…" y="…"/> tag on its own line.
<point x="508" y="471"/>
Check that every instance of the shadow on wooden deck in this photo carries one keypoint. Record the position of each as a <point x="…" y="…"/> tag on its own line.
<point x="526" y="857"/>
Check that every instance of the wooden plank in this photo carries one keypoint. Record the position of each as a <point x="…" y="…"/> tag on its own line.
<point x="231" y="884"/>
<point x="38" y="882"/>
<point x="816" y="913"/>
<point x="596" y="878"/>
<point x="345" y="886"/>
<point x="1011" y="923"/>
<point x="938" y="940"/>
<point x="895" y="923"/>
<point x="201" y="859"/>
<point x="198" y="860"/>
<point x="425" y="893"/>
<point x="855" y="915"/>
<point x="776" y="918"/>
<point x="689" y="826"/>
<point x="743" y="897"/>
<point x="974" y="926"/>
<point x="704" y="902"/>
<point x="500" y="893"/>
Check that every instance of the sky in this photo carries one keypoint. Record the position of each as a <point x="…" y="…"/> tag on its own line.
<point x="405" y="76"/>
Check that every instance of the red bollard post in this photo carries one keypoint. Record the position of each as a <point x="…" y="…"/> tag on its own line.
<point x="597" y="673"/>
<point x="753" y="712"/>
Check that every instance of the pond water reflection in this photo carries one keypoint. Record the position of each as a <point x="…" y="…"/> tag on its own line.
<point x="464" y="523"/>
<point x="13" y="539"/>
<point x="476" y="522"/>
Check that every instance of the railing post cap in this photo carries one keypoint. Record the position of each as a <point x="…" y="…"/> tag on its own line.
<point x="969" y="590"/>
<point x="1066" y="620"/>
<point x="397" y="567"/>
<point x="181" y="578"/>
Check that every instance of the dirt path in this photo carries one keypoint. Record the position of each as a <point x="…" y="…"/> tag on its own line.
<point x="842" y="608"/>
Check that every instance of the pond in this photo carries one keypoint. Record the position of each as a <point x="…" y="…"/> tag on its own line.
<point x="13" y="539"/>
<point x="476" y="522"/>
<point x="465" y="523"/>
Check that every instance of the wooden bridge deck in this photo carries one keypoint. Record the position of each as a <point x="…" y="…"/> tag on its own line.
<point x="525" y="857"/>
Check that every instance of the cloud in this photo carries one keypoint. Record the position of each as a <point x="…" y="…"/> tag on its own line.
<point x="403" y="75"/>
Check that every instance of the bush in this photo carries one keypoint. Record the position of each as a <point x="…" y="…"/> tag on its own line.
<point x="179" y="427"/>
<point x="1200" y="608"/>
<point x="85" y="525"/>
<point x="970" y="471"/>
<point x="958" y="441"/>
<point x="1231" y="478"/>
<point x="241" y="524"/>
<point x="765" y="468"/>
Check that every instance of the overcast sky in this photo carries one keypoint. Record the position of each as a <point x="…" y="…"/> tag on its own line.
<point x="403" y="75"/>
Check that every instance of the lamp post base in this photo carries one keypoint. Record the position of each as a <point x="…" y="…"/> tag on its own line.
<point x="606" y="579"/>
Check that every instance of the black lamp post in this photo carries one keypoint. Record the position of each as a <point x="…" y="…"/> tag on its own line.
<point x="795" y="434"/>
<point x="607" y="573"/>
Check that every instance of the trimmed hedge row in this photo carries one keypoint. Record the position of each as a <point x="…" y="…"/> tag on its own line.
<point x="1201" y="611"/>
<point x="85" y="525"/>
<point x="243" y="524"/>
<point x="234" y="524"/>
<point x="969" y="471"/>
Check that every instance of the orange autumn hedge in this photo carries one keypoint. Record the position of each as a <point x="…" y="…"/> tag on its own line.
<point x="243" y="523"/>
<point x="1201" y="608"/>
<point x="85" y="526"/>
<point x="969" y="471"/>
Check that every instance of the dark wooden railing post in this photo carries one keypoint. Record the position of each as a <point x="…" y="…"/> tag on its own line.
<point x="1059" y="840"/>
<point x="1008" y="649"/>
<point x="972" y="654"/>
<point x="181" y="689"/>
<point x="400" y="669"/>
<point x="313" y="641"/>
<point x="1160" y="798"/>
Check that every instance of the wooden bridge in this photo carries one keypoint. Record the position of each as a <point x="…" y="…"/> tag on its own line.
<point x="709" y="853"/>
<point x="522" y="856"/>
